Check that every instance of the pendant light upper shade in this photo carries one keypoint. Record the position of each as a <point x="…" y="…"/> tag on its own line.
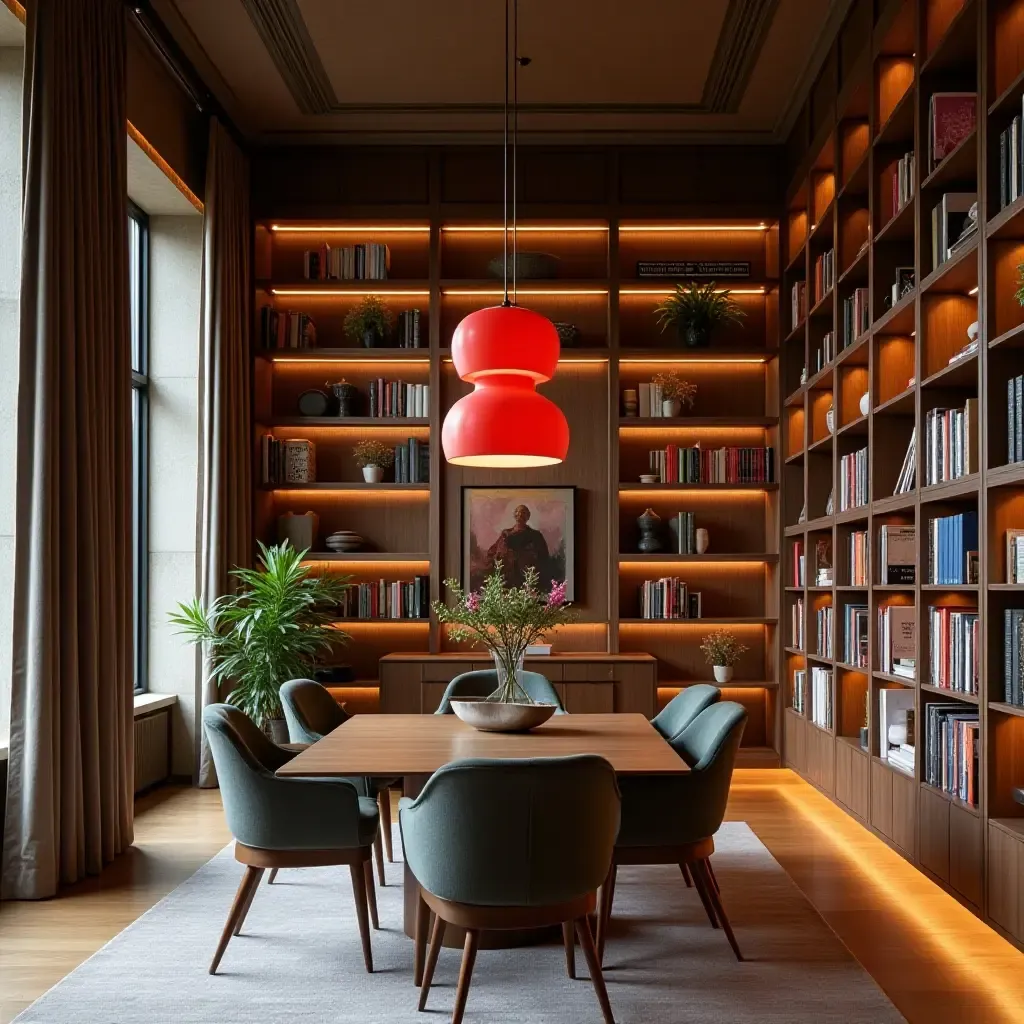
<point x="504" y="351"/>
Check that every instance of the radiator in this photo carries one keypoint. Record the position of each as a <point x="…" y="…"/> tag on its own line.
<point x="152" y="749"/>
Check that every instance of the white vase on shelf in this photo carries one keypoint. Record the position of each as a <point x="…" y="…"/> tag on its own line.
<point x="865" y="403"/>
<point x="702" y="540"/>
<point x="373" y="474"/>
<point x="671" y="407"/>
<point x="723" y="673"/>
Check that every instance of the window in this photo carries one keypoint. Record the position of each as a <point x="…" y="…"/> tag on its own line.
<point x="138" y="274"/>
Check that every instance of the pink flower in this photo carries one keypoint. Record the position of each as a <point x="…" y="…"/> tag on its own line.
<point x="473" y="601"/>
<point x="557" y="596"/>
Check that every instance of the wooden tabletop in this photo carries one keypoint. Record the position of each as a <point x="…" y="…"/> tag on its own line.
<point x="391" y="745"/>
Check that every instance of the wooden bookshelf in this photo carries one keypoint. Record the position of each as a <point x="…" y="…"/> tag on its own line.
<point x="440" y="266"/>
<point x="878" y="110"/>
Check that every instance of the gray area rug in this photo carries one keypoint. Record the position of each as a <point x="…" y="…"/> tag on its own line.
<point x="298" y="958"/>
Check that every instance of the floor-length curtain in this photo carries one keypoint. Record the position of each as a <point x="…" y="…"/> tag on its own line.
<point x="225" y="484"/>
<point x="69" y="800"/>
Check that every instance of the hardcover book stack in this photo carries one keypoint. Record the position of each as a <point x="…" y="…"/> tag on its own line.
<point x="953" y="549"/>
<point x="897" y="554"/>
<point x="668" y="598"/>
<point x="821" y="697"/>
<point x="897" y="640"/>
<point x="1011" y="163"/>
<point x="950" y="443"/>
<point x="853" y="480"/>
<point x="952" y="750"/>
<point x="369" y="261"/>
<point x="407" y="329"/>
<point x="397" y="399"/>
<point x="412" y="462"/>
<point x="1013" y="656"/>
<point x="855" y="635"/>
<point x="796" y="624"/>
<point x="1015" y="419"/>
<point x="824" y="619"/>
<point x="798" y="303"/>
<point x="799" y="689"/>
<point x="955" y="649"/>
<point x="952" y="225"/>
<point x="675" y="465"/>
<point x="902" y="182"/>
<point x="896" y="732"/>
<point x="280" y="329"/>
<point x="856" y="318"/>
<point x="824" y="274"/>
<point x="387" y="599"/>
<point x="857" y="558"/>
<point x="274" y="462"/>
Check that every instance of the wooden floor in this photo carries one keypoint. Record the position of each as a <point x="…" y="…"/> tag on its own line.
<point x="932" y="957"/>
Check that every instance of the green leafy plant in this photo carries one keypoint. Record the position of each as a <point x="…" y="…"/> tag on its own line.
<point x="370" y="315"/>
<point x="695" y="310"/>
<point x="373" y="453"/>
<point x="722" y="648"/>
<point x="1019" y="293"/>
<point x="673" y="387"/>
<point x="271" y="630"/>
<point x="506" y="620"/>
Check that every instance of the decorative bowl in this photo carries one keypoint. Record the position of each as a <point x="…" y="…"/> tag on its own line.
<point x="529" y="266"/>
<point x="492" y="716"/>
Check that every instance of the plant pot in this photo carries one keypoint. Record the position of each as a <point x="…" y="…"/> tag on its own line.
<point x="276" y="730"/>
<point x="671" y="407"/>
<point x="723" y="673"/>
<point x="495" y="716"/>
<point x="373" y="474"/>
<point x="372" y="338"/>
<point x="696" y="335"/>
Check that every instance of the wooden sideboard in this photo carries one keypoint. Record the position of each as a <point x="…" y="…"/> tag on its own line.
<point x="586" y="683"/>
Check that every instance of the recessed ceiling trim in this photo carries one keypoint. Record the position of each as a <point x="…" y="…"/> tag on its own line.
<point x="744" y="32"/>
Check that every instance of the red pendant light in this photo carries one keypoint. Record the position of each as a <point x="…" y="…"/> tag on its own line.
<point x="504" y="352"/>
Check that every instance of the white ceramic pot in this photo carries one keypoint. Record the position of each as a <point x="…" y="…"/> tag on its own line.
<point x="865" y="403"/>
<point x="702" y="540"/>
<point x="493" y="716"/>
<point x="723" y="673"/>
<point x="830" y="420"/>
<point x="373" y="474"/>
<point x="671" y="407"/>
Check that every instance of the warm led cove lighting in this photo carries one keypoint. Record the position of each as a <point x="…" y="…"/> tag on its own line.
<point x="313" y="292"/>
<point x="523" y="229"/>
<point x="692" y="227"/>
<point x="497" y="292"/>
<point x="668" y="291"/>
<point x="690" y="362"/>
<point x="300" y="361"/>
<point x="348" y="229"/>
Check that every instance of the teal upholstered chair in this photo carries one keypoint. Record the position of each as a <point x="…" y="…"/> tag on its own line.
<point x="672" y="819"/>
<point x="286" y="822"/>
<point x="484" y="681"/>
<point x="684" y="707"/>
<point x="311" y="713"/>
<point x="507" y="844"/>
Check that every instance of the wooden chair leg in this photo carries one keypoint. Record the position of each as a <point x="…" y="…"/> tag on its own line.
<point x="272" y="876"/>
<point x="371" y="894"/>
<point x="569" y="941"/>
<point x="420" y="940"/>
<point x="378" y="856"/>
<point x="594" y="963"/>
<point x="248" y="902"/>
<point x="716" y="902"/>
<point x="250" y="880"/>
<point x="686" y="875"/>
<point x="466" y="973"/>
<point x="384" y="807"/>
<point x="702" y="891"/>
<point x="436" y="938"/>
<point x="359" y="893"/>
<point x="714" y="878"/>
<point x="604" y="910"/>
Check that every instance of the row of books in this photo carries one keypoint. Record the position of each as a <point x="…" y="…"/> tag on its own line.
<point x="796" y="625"/>
<point x="855" y="635"/>
<point x="902" y="182"/>
<point x="897" y="640"/>
<point x="953" y="549"/>
<point x="907" y="479"/>
<point x="824" y="274"/>
<point x="412" y="462"/>
<point x="799" y="690"/>
<point x="955" y="645"/>
<point x="821" y="697"/>
<point x="896" y="728"/>
<point x="826" y="351"/>
<point x="951" y="443"/>
<point x="1013" y="656"/>
<point x="798" y="303"/>
<point x="857" y="558"/>
<point x="387" y="599"/>
<point x="853" y="480"/>
<point x="684" y="527"/>
<point x="952" y="750"/>
<point x="824" y="621"/>
<point x="1015" y="556"/>
<point x="713" y="465"/>
<point x="1011" y="163"/>
<point x="1015" y="419"/>
<point x="897" y="554"/>
<point x="367" y="261"/>
<point x="856" y="318"/>
<point x="799" y="564"/>
<point x="668" y="598"/>
<point x="407" y="329"/>
<point x="649" y="398"/>
<point x="398" y="399"/>
<point x="280" y="329"/>
<point x="278" y="466"/>
<point x="953" y="225"/>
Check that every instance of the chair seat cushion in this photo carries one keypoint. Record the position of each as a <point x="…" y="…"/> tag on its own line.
<point x="369" y="819"/>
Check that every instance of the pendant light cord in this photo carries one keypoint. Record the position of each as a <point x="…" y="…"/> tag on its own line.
<point x="515" y="145"/>
<point x="505" y="302"/>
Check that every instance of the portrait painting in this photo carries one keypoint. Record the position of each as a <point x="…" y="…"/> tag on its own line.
<point x="521" y="527"/>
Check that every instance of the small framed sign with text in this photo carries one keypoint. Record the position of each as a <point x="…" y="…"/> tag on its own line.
<point x="693" y="268"/>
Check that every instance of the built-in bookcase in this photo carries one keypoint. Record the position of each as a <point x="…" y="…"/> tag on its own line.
<point x="442" y="267"/>
<point x="885" y="72"/>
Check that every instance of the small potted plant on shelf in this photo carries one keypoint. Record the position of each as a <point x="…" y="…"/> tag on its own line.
<point x="722" y="650"/>
<point x="271" y="629"/>
<point x="506" y="620"/>
<point x="676" y="394"/>
<point x="695" y="310"/>
<point x="369" y="323"/>
<point x="373" y="457"/>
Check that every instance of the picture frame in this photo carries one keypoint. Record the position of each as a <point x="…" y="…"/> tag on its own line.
<point x="545" y="538"/>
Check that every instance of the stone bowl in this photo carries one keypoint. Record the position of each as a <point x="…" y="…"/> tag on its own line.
<point x="490" y="716"/>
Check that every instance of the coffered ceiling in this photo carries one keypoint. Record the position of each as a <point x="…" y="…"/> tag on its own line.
<point x="643" y="70"/>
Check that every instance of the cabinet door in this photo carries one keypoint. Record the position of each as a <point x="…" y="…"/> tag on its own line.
<point x="881" y="798"/>
<point x="904" y="813"/>
<point x="589" y="698"/>
<point x="1005" y="871"/>
<point x="635" y="690"/>
<point x="965" y="853"/>
<point x="859" y="784"/>
<point x="400" y="688"/>
<point x="430" y="697"/>
<point x="935" y="833"/>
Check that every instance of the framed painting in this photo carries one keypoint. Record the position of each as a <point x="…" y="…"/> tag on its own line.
<point x="520" y="527"/>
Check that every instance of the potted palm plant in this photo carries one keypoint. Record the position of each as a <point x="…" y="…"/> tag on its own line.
<point x="695" y="310"/>
<point x="722" y="650"/>
<point x="270" y="630"/>
<point x="369" y="323"/>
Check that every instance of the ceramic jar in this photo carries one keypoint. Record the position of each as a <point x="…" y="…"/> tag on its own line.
<point x="650" y="532"/>
<point x="299" y="461"/>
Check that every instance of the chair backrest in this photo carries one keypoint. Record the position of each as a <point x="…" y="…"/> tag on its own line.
<point x="505" y="833"/>
<point x="310" y="710"/>
<point x="684" y="707"/>
<point x="484" y="681"/>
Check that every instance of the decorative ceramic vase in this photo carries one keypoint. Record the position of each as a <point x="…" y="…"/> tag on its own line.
<point x="299" y="530"/>
<point x="629" y="402"/>
<point x="650" y="532"/>
<point x="671" y="407"/>
<point x="372" y="338"/>
<point x="723" y="673"/>
<point x="373" y="474"/>
<point x="345" y="393"/>
<point x="299" y="461"/>
<point x="830" y="420"/>
<point x="972" y="332"/>
<point x="702" y="540"/>
<point x="695" y="335"/>
<point x="865" y="403"/>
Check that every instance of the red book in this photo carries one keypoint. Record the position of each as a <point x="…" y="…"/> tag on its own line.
<point x="952" y="117"/>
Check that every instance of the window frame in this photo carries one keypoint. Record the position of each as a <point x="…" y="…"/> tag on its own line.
<point x="139" y="281"/>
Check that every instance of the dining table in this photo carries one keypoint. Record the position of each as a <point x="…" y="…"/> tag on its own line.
<point x="413" y="747"/>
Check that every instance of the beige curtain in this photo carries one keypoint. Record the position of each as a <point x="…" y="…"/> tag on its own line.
<point x="69" y="800"/>
<point x="225" y="497"/>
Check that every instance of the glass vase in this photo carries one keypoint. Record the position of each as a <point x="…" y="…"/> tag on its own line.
<point x="509" y="667"/>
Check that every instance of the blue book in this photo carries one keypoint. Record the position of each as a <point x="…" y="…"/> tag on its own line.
<point x="957" y="568"/>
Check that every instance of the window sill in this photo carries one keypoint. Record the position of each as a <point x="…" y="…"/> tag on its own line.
<point x="145" y="703"/>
